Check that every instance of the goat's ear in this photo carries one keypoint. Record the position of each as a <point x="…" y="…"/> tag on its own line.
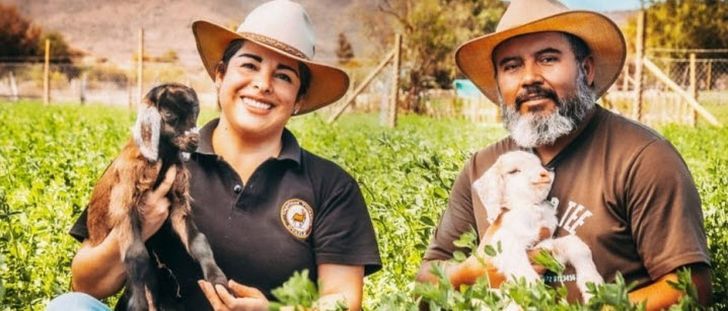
<point x="146" y="130"/>
<point x="490" y="191"/>
<point x="154" y="95"/>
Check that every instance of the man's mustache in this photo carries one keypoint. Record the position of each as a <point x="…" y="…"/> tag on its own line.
<point x="535" y="91"/>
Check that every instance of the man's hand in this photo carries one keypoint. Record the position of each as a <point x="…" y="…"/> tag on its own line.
<point x="242" y="297"/>
<point x="156" y="205"/>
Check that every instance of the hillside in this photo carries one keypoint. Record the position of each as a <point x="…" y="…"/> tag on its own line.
<point x="109" y="29"/>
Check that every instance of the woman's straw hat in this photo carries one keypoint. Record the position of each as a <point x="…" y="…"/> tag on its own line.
<point x="603" y="37"/>
<point x="284" y="27"/>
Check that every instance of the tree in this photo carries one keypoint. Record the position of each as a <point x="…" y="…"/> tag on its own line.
<point x="21" y="41"/>
<point x="168" y="57"/>
<point x="432" y="30"/>
<point x="684" y="24"/>
<point x="18" y="37"/>
<point x="61" y="53"/>
<point x="344" y="51"/>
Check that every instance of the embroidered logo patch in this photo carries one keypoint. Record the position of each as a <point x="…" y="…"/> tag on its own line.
<point x="297" y="217"/>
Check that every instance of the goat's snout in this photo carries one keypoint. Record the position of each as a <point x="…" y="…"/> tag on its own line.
<point x="544" y="177"/>
<point x="193" y="140"/>
<point x="188" y="141"/>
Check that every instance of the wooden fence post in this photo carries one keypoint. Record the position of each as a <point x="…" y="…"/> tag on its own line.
<point x="140" y="68"/>
<point x="709" y="80"/>
<point x="639" y="51"/>
<point x="693" y="89"/>
<point x="649" y="65"/>
<point x="46" y="74"/>
<point x="360" y="88"/>
<point x="390" y="114"/>
<point x="13" y="87"/>
<point x="82" y="88"/>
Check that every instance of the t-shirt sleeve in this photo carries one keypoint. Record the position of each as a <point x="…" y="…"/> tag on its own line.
<point x="457" y="219"/>
<point x="79" y="231"/>
<point x="665" y="211"/>
<point x="343" y="232"/>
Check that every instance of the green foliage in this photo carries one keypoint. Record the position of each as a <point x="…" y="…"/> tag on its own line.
<point x="467" y="242"/>
<point x="547" y="260"/>
<point x="18" y="36"/>
<point x="2" y="288"/>
<point x="613" y="295"/>
<point x="298" y="291"/>
<point x="703" y="148"/>
<point x="537" y="296"/>
<point x="684" y="24"/>
<point x="684" y="284"/>
<point x="50" y="157"/>
<point x="22" y="41"/>
<point x="431" y="30"/>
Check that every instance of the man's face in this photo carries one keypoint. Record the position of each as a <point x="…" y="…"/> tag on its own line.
<point x="543" y="88"/>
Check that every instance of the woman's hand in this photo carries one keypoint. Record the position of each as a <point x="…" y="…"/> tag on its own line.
<point x="242" y="297"/>
<point x="156" y="205"/>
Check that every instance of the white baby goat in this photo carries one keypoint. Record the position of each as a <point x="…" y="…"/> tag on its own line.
<point x="514" y="192"/>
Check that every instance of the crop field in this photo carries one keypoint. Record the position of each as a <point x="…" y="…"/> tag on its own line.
<point x="50" y="157"/>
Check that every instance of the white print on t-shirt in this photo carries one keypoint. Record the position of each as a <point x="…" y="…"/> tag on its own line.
<point x="573" y="217"/>
<point x="550" y="278"/>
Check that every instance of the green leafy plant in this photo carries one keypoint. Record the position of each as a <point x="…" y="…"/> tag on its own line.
<point x="547" y="260"/>
<point x="299" y="291"/>
<point x="689" y="300"/>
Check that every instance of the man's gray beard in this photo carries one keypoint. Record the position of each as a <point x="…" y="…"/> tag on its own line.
<point x="534" y="129"/>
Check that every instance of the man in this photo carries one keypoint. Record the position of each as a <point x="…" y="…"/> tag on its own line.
<point x="619" y="186"/>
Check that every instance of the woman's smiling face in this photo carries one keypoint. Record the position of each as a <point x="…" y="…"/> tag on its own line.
<point x="258" y="90"/>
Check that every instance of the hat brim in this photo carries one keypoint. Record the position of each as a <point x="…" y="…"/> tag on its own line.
<point x="327" y="83"/>
<point x="602" y="36"/>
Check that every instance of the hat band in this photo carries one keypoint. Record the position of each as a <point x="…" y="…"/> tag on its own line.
<point x="273" y="43"/>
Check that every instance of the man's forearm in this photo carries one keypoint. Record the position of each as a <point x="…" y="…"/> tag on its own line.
<point x="98" y="270"/>
<point x="660" y="294"/>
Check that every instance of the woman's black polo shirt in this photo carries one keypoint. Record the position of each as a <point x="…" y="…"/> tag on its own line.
<point x="295" y="212"/>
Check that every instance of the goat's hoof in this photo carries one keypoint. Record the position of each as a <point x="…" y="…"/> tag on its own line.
<point x="217" y="277"/>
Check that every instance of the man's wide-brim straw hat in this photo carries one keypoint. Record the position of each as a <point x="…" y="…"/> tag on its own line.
<point x="284" y="27"/>
<point x="603" y="37"/>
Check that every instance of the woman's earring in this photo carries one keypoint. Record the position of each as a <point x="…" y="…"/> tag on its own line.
<point x="296" y="108"/>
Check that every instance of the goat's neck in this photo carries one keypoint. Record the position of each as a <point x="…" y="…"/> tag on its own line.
<point x="524" y="202"/>
<point x="168" y="153"/>
<point x="534" y="214"/>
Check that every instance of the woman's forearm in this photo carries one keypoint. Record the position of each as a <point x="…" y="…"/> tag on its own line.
<point x="98" y="270"/>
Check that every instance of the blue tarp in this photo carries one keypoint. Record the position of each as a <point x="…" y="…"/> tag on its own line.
<point x="465" y="88"/>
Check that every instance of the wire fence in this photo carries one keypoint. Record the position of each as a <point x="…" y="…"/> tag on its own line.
<point x="703" y="79"/>
<point x="116" y="84"/>
<point x="100" y="82"/>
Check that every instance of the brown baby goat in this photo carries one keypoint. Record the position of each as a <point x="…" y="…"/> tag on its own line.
<point x="164" y="132"/>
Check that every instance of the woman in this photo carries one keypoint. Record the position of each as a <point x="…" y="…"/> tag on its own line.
<point x="267" y="207"/>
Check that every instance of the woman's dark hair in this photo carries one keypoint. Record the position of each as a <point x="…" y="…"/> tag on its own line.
<point x="303" y="72"/>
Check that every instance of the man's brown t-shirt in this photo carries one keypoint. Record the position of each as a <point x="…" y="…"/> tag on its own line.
<point x="619" y="186"/>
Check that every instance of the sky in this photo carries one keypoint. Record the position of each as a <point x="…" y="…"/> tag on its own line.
<point x="603" y="5"/>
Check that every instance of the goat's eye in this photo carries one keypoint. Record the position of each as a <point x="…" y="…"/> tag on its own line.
<point x="169" y="117"/>
<point x="514" y="171"/>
